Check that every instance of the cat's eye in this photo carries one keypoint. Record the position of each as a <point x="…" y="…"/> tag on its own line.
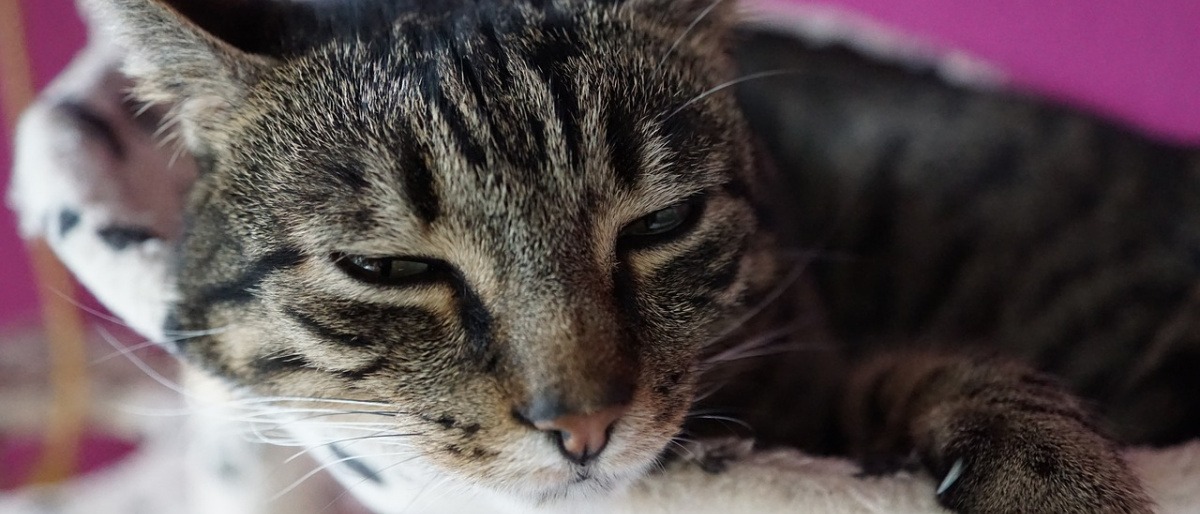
<point x="661" y="222"/>
<point x="381" y="270"/>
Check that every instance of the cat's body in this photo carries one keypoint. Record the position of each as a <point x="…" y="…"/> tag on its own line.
<point x="528" y="235"/>
<point x="937" y="216"/>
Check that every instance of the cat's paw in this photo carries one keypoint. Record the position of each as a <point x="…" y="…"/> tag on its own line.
<point x="993" y="462"/>
<point x="93" y="179"/>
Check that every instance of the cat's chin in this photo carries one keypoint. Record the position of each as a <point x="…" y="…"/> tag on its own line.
<point x="388" y="479"/>
<point x="584" y="485"/>
<point x="419" y="486"/>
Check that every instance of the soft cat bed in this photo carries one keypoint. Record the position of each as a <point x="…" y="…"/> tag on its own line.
<point x="73" y="199"/>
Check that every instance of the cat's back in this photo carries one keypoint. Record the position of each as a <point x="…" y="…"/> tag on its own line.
<point x="947" y="215"/>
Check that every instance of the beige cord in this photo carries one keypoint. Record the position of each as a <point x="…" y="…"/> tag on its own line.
<point x="62" y="324"/>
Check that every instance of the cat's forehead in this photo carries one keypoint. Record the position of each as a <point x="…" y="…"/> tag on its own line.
<point x="499" y="115"/>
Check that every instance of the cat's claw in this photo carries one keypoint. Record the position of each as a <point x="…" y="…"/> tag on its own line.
<point x="952" y="476"/>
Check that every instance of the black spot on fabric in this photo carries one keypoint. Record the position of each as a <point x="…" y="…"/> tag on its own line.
<point x="68" y="219"/>
<point x="228" y="471"/>
<point x="174" y="340"/>
<point x="118" y="238"/>
<point x="95" y="126"/>
<point x="355" y="464"/>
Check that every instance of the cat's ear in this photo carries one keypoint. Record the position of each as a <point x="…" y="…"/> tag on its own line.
<point x="199" y="56"/>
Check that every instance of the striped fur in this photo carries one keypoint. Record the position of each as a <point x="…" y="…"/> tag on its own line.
<point x="506" y="145"/>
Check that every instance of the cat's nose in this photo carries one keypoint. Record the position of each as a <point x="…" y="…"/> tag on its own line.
<point x="582" y="436"/>
<point x="581" y="430"/>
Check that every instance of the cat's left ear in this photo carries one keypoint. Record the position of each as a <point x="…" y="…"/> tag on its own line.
<point x="199" y="56"/>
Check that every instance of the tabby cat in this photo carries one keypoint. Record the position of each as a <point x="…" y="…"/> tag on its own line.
<point x="548" y="237"/>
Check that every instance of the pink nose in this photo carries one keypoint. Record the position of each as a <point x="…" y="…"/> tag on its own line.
<point x="583" y="436"/>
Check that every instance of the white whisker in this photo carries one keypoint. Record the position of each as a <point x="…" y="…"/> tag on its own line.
<point x="321" y="468"/>
<point x="723" y="85"/>
<point x="696" y="21"/>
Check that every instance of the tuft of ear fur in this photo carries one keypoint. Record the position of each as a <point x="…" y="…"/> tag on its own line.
<point x="177" y="61"/>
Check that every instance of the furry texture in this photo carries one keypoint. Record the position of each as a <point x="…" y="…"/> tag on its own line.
<point x="327" y="167"/>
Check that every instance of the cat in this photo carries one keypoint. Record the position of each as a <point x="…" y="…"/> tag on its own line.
<point x="535" y="236"/>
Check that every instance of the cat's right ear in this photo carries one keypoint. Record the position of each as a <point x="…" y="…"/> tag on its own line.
<point x="199" y="56"/>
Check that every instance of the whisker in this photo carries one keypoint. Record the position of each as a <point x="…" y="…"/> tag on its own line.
<point x="89" y="310"/>
<point x="733" y="352"/>
<point x="314" y="399"/>
<point x="321" y="468"/>
<point x="182" y="336"/>
<point x="349" y="440"/>
<point x="703" y="14"/>
<point x="145" y="368"/>
<point x="679" y="443"/>
<point x="733" y="82"/>
<point x="774" y="294"/>
<point x="347" y="490"/>
<point x="726" y="419"/>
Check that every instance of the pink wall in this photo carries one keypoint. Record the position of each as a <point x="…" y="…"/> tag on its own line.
<point x="53" y="33"/>
<point x="1134" y="60"/>
<point x="1131" y="59"/>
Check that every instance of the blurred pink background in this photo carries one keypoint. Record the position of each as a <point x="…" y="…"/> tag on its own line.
<point x="1128" y="59"/>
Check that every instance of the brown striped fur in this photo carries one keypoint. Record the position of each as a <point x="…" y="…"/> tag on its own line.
<point x="507" y="144"/>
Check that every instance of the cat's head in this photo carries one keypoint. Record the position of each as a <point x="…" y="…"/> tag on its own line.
<point x="518" y="223"/>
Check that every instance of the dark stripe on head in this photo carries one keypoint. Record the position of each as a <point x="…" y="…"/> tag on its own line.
<point x="418" y="180"/>
<point x="325" y="332"/>
<point x="93" y="125"/>
<point x="681" y="132"/>
<point x="272" y="364"/>
<point x="549" y="58"/>
<point x="473" y="150"/>
<point x="350" y="174"/>
<point x="492" y="47"/>
<point x="118" y="238"/>
<point x="621" y="137"/>
<point x="712" y="262"/>
<point x="242" y="288"/>
<point x="371" y="368"/>
<point x="475" y="318"/>
<point x="469" y="72"/>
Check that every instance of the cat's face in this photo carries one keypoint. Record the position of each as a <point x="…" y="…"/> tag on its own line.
<point x="489" y="223"/>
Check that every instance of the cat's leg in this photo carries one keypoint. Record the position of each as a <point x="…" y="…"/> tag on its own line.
<point x="999" y="436"/>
